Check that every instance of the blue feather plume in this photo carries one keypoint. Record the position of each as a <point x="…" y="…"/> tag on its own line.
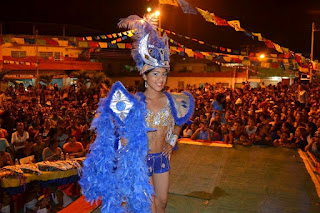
<point x="117" y="176"/>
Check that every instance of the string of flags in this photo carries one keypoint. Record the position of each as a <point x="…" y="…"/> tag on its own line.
<point x="223" y="49"/>
<point x="82" y="42"/>
<point x="235" y="24"/>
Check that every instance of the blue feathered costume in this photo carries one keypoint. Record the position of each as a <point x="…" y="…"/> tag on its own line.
<point x="118" y="175"/>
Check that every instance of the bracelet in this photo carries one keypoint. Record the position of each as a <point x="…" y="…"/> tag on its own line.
<point x="173" y="139"/>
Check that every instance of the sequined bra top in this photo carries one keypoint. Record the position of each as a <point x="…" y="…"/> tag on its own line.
<point x="162" y="118"/>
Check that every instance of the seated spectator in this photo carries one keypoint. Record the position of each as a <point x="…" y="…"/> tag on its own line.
<point x="311" y="128"/>
<point x="284" y="140"/>
<point x="62" y="136"/>
<point x="301" y="138"/>
<point x="216" y="131"/>
<point x="44" y="131"/>
<point x="3" y="132"/>
<point x="28" y="148"/>
<point x="5" y="159"/>
<point x="42" y="205"/>
<point x="6" y="204"/>
<point x="52" y="152"/>
<point x="244" y="140"/>
<point x="251" y="128"/>
<point x="288" y="127"/>
<point x="314" y="146"/>
<point x="275" y="126"/>
<point x="73" y="148"/>
<point x="261" y="137"/>
<point x="187" y="132"/>
<point x="224" y="132"/>
<point x="38" y="148"/>
<point x="31" y="197"/>
<point x="203" y="132"/>
<point x="59" y="199"/>
<point x="236" y="131"/>
<point x="33" y="130"/>
<point x="5" y="146"/>
<point x="18" y="140"/>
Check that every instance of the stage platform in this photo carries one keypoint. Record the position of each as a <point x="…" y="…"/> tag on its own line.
<point x="239" y="179"/>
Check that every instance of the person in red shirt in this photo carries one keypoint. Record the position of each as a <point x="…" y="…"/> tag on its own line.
<point x="73" y="148"/>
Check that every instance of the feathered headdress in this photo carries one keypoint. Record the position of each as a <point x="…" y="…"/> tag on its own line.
<point x="149" y="51"/>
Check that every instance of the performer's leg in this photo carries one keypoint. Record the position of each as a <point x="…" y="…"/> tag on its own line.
<point x="161" y="188"/>
<point x="153" y="204"/>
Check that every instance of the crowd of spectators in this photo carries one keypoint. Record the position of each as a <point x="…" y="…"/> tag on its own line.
<point x="52" y="123"/>
<point x="44" y="124"/>
<point x="274" y="115"/>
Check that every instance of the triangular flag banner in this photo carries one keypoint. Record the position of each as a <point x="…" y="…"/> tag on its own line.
<point x="269" y="44"/>
<point x="259" y="36"/>
<point x="221" y="21"/>
<point x="186" y="7"/>
<point x="236" y="25"/>
<point x="18" y="40"/>
<point x="128" y="46"/>
<point x="6" y="39"/>
<point x="209" y="17"/>
<point x="277" y="47"/>
<point x="41" y="42"/>
<point x="171" y="2"/>
<point x="121" y="45"/>
<point x="83" y="44"/>
<point x="103" y="44"/>
<point x="189" y="52"/>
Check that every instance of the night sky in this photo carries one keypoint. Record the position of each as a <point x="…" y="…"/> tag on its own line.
<point x="285" y="22"/>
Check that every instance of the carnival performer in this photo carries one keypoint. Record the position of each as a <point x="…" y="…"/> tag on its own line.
<point x="142" y="134"/>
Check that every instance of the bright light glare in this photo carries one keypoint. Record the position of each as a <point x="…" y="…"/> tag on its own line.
<point x="149" y="9"/>
<point x="157" y="13"/>
<point x="262" y="56"/>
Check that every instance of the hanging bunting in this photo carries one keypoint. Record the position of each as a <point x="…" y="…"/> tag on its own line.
<point x="186" y="7"/>
<point x="170" y="2"/>
<point x="209" y="17"/>
<point x="18" y="40"/>
<point x="236" y="25"/>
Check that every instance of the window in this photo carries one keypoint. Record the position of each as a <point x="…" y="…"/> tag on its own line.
<point x="45" y="55"/>
<point x="57" y="56"/>
<point x="18" y="54"/>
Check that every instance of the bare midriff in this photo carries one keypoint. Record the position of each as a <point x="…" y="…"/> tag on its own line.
<point x="163" y="122"/>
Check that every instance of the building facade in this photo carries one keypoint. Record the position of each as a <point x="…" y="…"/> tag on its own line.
<point x="24" y="58"/>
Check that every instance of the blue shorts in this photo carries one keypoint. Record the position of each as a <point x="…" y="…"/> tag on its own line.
<point x="157" y="163"/>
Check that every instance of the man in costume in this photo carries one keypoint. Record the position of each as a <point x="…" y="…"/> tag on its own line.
<point x="128" y="164"/>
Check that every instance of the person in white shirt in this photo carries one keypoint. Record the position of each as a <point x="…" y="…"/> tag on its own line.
<point x="18" y="140"/>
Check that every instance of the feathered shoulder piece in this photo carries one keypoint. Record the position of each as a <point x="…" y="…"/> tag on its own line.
<point x="149" y="51"/>
<point x="182" y="105"/>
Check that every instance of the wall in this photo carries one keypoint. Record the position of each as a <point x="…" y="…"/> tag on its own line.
<point x="31" y="50"/>
<point x="173" y="81"/>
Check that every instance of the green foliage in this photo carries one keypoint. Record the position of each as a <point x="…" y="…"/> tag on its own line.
<point x="46" y="79"/>
<point x="98" y="78"/>
<point x="83" y="76"/>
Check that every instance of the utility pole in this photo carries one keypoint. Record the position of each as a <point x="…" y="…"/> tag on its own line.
<point x="159" y="17"/>
<point x="312" y="43"/>
<point x="37" y="58"/>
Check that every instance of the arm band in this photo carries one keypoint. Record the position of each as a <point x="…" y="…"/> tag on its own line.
<point x="173" y="140"/>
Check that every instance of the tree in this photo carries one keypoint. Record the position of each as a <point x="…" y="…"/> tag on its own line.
<point x="3" y="78"/>
<point x="46" y="79"/>
<point x="82" y="76"/>
<point x="98" y="78"/>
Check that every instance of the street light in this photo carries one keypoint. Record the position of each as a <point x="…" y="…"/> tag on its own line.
<point x="262" y="56"/>
<point x="149" y="9"/>
<point x="157" y="13"/>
